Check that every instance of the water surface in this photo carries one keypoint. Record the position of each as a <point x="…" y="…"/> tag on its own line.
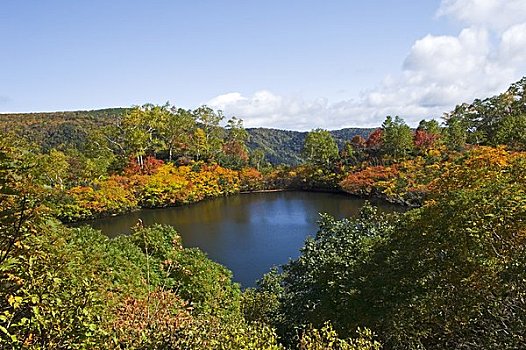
<point x="248" y="233"/>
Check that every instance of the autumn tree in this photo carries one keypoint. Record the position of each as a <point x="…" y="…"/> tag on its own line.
<point x="235" y="152"/>
<point x="427" y="134"/>
<point x="257" y="158"/>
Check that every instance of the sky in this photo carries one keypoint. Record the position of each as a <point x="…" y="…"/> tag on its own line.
<point x="292" y="64"/>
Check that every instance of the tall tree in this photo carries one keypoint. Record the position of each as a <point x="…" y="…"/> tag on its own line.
<point x="455" y="133"/>
<point x="176" y="129"/>
<point x="320" y="149"/>
<point x="427" y="134"/>
<point x="235" y="152"/>
<point x="397" y="137"/>
<point x="257" y="158"/>
<point x="208" y="121"/>
<point x="141" y="129"/>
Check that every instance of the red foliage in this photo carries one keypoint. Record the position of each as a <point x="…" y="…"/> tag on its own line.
<point x="358" y="142"/>
<point x="236" y="150"/>
<point x="362" y="182"/>
<point x="149" y="167"/>
<point x="375" y="139"/>
<point x="424" y="140"/>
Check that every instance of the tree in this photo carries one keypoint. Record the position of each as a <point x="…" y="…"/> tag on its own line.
<point x="427" y="134"/>
<point x="257" y="157"/>
<point x="358" y="142"/>
<point x="320" y="149"/>
<point x="208" y="121"/>
<point x="140" y="128"/>
<point x="323" y="281"/>
<point x="348" y="153"/>
<point x="397" y="137"/>
<point x="175" y="131"/>
<point x="374" y="140"/>
<point x="235" y="152"/>
<point x="455" y="134"/>
<point x="55" y="168"/>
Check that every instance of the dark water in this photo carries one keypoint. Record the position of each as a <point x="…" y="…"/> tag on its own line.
<point x="248" y="233"/>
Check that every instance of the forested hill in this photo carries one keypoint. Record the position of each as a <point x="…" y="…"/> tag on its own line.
<point x="53" y="129"/>
<point x="284" y="146"/>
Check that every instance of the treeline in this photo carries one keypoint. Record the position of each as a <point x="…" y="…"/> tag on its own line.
<point x="448" y="275"/>
<point x="58" y="129"/>
<point x="164" y="132"/>
<point x="62" y="130"/>
<point x="400" y="164"/>
<point x="283" y="147"/>
<point x="73" y="288"/>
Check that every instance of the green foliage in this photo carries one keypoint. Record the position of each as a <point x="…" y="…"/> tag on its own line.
<point x="447" y="275"/>
<point x="285" y="146"/>
<point x="205" y="284"/>
<point x="455" y="134"/>
<point x="210" y="138"/>
<point x="322" y="281"/>
<point x="235" y="152"/>
<point x="176" y="130"/>
<point x="495" y="120"/>
<point x="76" y="289"/>
<point x="257" y="159"/>
<point x="397" y="137"/>
<point x="326" y="338"/>
<point x="53" y="296"/>
<point x="320" y="149"/>
<point x="450" y="262"/>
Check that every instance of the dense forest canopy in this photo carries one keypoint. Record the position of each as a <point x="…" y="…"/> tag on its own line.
<point x="51" y="130"/>
<point x="448" y="274"/>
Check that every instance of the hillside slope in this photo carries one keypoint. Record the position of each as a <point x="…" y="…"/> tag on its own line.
<point x="284" y="146"/>
<point x="53" y="129"/>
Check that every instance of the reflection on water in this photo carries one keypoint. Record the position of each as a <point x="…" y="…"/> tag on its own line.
<point x="248" y="233"/>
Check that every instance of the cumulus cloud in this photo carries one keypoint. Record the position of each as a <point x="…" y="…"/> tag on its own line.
<point x="267" y="109"/>
<point x="439" y="72"/>
<point x="493" y="14"/>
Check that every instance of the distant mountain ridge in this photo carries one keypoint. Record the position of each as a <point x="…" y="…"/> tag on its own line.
<point x="284" y="146"/>
<point x="51" y="129"/>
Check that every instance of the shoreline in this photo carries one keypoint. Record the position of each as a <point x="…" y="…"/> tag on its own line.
<point x="373" y="198"/>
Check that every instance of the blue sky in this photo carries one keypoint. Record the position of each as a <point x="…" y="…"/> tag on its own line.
<point x="295" y="64"/>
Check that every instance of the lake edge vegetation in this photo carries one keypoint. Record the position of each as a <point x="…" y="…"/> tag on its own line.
<point x="448" y="274"/>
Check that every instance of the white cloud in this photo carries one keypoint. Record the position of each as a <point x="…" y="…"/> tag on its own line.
<point x="439" y="72"/>
<point x="513" y="44"/>
<point x="492" y="14"/>
<point x="227" y="99"/>
<point x="266" y="109"/>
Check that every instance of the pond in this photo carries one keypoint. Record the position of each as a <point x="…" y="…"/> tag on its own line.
<point x="248" y="233"/>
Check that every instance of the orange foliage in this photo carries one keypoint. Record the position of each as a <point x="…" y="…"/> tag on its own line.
<point x="251" y="179"/>
<point x="362" y="182"/>
<point x="150" y="166"/>
<point x="375" y="139"/>
<point x="481" y="165"/>
<point x="151" y="322"/>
